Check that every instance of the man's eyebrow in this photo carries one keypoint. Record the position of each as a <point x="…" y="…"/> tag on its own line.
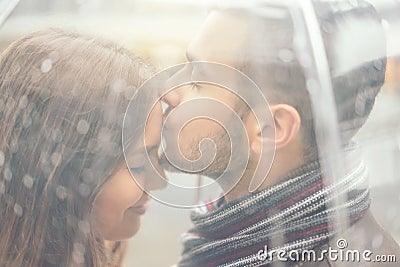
<point x="143" y="148"/>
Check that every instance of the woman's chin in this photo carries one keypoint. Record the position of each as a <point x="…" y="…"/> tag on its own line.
<point x="124" y="231"/>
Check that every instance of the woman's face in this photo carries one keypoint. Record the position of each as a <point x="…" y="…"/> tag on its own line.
<point x="121" y="202"/>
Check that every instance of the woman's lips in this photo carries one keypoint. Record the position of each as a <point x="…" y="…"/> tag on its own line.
<point x="140" y="209"/>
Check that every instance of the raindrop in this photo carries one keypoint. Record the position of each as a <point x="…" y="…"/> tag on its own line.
<point x="26" y="121"/>
<point x="14" y="146"/>
<point x="144" y="73"/>
<point x="46" y="168"/>
<point x="2" y="158"/>
<point x="84" y="226"/>
<point x="28" y="181"/>
<point x="1" y="105"/>
<point x="54" y="56"/>
<point x="104" y="135"/>
<point x="57" y="135"/>
<point x="18" y="210"/>
<point x="118" y="85"/>
<point x="10" y="105"/>
<point x="7" y="174"/>
<point x="312" y="85"/>
<point x="78" y="258"/>
<point x="45" y="94"/>
<point x="305" y="60"/>
<point x="129" y="91"/>
<point x="46" y="66"/>
<point x="78" y="247"/>
<point x="84" y="190"/>
<point x="2" y="188"/>
<point x="354" y="3"/>
<point x="377" y="241"/>
<point x="385" y="24"/>
<point x="82" y="127"/>
<point x="378" y="64"/>
<point x="23" y="102"/>
<point x="61" y="192"/>
<point x="391" y="213"/>
<point x="92" y="144"/>
<point x="56" y="158"/>
<point x="285" y="55"/>
<point x="8" y="199"/>
<point x="327" y="27"/>
<point x="88" y="176"/>
<point x="35" y="74"/>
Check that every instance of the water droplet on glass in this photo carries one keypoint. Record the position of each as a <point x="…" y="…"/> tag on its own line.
<point x="84" y="190"/>
<point x="354" y="3"/>
<point x="10" y="105"/>
<point x="54" y="56"/>
<point x="84" y="226"/>
<point x="56" y="158"/>
<point x="129" y="91"/>
<point x="14" y="146"/>
<point x="118" y="85"/>
<point x="78" y="257"/>
<point x="312" y="85"/>
<point x="23" y="102"/>
<point x="46" y="66"/>
<point x="385" y="24"/>
<point x="7" y="174"/>
<point x="57" y="135"/>
<point x="26" y="121"/>
<point x="18" y="210"/>
<point x="35" y="74"/>
<point x="327" y="27"/>
<point x="79" y="247"/>
<point x="2" y="188"/>
<point x="391" y="213"/>
<point x="377" y="241"/>
<point x="28" y="181"/>
<point x="378" y="64"/>
<point x="61" y="192"/>
<point x="88" y="176"/>
<point x="2" y="105"/>
<point x="285" y="55"/>
<point x="82" y="127"/>
<point x="2" y="158"/>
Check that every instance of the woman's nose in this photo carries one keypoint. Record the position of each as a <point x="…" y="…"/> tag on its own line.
<point x="172" y="98"/>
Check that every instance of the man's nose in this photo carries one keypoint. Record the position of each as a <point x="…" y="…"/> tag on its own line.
<point x="156" y="181"/>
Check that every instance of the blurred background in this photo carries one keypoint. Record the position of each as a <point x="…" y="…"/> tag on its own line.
<point x="159" y="31"/>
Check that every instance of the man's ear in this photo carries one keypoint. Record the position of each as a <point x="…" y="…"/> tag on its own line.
<point x="286" y="123"/>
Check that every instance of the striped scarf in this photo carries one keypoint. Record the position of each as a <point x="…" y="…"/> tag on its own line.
<point x="295" y="214"/>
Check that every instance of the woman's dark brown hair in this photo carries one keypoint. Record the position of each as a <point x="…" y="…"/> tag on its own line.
<point x="62" y="100"/>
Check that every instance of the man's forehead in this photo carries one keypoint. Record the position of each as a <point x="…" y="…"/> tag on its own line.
<point x="220" y="39"/>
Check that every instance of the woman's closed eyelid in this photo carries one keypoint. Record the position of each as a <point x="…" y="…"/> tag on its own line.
<point x="137" y="169"/>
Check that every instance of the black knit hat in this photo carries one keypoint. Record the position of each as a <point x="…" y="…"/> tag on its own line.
<point x="355" y="44"/>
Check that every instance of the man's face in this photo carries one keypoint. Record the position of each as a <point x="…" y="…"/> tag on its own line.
<point x="220" y="41"/>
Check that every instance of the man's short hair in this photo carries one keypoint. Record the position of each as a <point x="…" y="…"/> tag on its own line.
<point x="270" y="60"/>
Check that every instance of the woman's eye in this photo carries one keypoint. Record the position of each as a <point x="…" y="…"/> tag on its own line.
<point x="138" y="169"/>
